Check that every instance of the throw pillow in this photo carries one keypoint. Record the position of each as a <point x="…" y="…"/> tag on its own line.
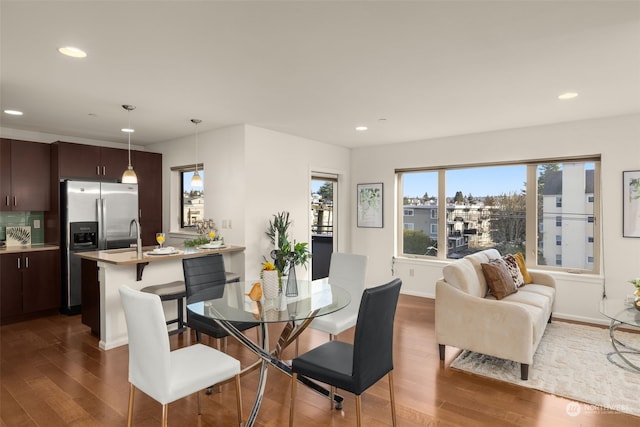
<point x="498" y="278"/>
<point x="514" y="270"/>
<point x="523" y="268"/>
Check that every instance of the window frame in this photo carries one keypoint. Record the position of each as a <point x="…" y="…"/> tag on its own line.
<point x="532" y="224"/>
<point x="180" y="171"/>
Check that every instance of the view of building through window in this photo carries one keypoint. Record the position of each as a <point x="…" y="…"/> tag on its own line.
<point x="489" y="207"/>
<point x="322" y="206"/>
<point x="192" y="199"/>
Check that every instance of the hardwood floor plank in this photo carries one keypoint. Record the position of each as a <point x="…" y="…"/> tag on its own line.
<point x="53" y="373"/>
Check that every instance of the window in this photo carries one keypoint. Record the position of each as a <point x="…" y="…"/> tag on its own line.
<point x="408" y="226"/>
<point x="191" y="198"/>
<point x="507" y="207"/>
<point x="418" y="209"/>
<point x="558" y="201"/>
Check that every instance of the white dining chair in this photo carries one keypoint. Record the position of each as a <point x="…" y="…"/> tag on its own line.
<point x="163" y="374"/>
<point x="347" y="271"/>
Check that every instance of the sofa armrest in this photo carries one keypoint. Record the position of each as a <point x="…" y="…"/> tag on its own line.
<point x="540" y="278"/>
<point x="483" y="325"/>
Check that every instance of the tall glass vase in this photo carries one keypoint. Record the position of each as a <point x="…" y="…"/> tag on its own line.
<point x="292" y="282"/>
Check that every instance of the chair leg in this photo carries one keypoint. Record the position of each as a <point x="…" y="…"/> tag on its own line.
<point x="358" y="410"/>
<point x="441" y="348"/>
<point x="294" y="384"/>
<point x="393" y="399"/>
<point x="132" y="389"/>
<point x="198" y="400"/>
<point x="332" y="392"/>
<point x="165" y="414"/>
<point x="239" y="399"/>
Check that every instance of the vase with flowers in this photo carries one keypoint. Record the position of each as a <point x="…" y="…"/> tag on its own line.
<point x="286" y="254"/>
<point x="270" y="280"/>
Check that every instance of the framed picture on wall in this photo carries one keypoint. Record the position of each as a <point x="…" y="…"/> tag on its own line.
<point x="370" y="205"/>
<point x="631" y="204"/>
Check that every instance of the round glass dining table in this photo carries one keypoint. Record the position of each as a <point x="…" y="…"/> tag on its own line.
<point x="234" y="304"/>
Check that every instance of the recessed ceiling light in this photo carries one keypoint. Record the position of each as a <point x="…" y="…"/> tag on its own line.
<point x="128" y="130"/>
<point x="13" y="112"/>
<point x="361" y="128"/>
<point x="567" y="95"/>
<point x="73" y="52"/>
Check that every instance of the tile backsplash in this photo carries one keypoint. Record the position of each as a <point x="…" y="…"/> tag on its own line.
<point x="15" y="219"/>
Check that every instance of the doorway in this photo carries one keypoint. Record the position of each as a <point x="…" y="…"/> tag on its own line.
<point x="324" y="189"/>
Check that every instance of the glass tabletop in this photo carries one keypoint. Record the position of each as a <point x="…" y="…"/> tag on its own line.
<point x="315" y="298"/>
<point x="621" y="311"/>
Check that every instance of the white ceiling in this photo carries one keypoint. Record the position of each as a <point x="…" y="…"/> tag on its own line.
<point x="316" y="69"/>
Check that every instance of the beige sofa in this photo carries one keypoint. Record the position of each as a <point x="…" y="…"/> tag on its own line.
<point x="510" y="328"/>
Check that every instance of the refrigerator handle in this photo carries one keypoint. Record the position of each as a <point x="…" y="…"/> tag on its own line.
<point x="104" y="222"/>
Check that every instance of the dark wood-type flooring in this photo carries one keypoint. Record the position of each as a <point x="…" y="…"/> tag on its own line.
<point x="54" y="374"/>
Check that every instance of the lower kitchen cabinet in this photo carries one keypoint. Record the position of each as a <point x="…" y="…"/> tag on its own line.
<point x="29" y="284"/>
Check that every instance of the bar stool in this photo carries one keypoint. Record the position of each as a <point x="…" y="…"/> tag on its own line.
<point x="177" y="291"/>
<point x="168" y="292"/>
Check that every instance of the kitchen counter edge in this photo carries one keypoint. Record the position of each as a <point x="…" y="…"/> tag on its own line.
<point x="129" y="256"/>
<point x="28" y="248"/>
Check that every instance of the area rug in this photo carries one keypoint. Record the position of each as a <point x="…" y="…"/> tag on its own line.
<point x="571" y="361"/>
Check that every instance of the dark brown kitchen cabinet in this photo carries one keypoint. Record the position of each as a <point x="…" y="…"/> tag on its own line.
<point x="90" y="161"/>
<point x="29" y="284"/>
<point x="25" y="175"/>
<point x="148" y="167"/>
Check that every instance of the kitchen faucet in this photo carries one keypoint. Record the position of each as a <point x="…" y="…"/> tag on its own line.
<point x="138" y="238"/>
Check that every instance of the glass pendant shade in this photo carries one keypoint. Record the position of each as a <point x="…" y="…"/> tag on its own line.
<point x="196" y="180"/>
<point x="129" y="175"/>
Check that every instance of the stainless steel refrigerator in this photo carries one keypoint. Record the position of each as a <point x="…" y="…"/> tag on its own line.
<point x="95" y="215"/>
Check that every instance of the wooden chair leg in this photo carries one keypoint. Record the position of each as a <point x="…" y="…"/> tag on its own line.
<point x="393" y="399"/>
<point x="165" y="414"/>
<point x="239" y="399"/>
<point x="132" y="389"/>
<point x="294" y="383"/>
<point x="359" y="410"/>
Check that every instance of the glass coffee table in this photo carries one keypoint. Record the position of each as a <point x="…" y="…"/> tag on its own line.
<point x="622" y="314"/>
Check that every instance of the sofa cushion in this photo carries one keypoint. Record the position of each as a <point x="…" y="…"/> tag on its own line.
<point x="523" y="268"/>
<point x="476" y="259"/>
<point x="514" y="269"/>
<point x="525" y="297"/>
<point x="462" y="275"/>
<point x="498" y="278"/>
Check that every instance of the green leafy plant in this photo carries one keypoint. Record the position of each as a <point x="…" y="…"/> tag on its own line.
<point x="288" y="251"/>
<point x="202" y="240"/>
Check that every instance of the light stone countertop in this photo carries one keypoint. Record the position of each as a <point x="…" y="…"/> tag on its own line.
<point x="129" y="256"/>
<point x="28" y="248"/>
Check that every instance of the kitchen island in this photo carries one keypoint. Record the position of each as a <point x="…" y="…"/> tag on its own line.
<point x="125" y="267"/>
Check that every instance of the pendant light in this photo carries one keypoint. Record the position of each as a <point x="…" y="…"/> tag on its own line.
<point x="129" y="176"/>
<point x="196" y="181"/>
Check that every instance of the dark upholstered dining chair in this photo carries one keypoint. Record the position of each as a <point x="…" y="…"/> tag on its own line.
<point x="356" y="367"/>
<point x="205" y="278"/>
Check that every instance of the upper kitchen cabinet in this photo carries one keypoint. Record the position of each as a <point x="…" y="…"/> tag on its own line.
<point x="148" y="167"/>
<point x="24" y="175"/>
<point x="90" y="161"/>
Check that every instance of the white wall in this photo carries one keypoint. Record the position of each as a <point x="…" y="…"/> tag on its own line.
<point x="252" y="173"/>
<point x="616" y="139"/>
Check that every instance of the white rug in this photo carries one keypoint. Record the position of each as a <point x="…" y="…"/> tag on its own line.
<point x="571" y="361"/>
